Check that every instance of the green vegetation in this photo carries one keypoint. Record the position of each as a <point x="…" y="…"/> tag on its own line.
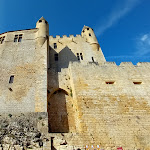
<point x="10" y="115"/>
<point x="71" y="94"/>
<point x="40" y="118"/>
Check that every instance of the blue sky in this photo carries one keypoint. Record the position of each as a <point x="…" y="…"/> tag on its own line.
<point x="122" y="26"/>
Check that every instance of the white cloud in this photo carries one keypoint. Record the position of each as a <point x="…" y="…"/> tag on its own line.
<point x="143" y="45"/>
<point x="144" y="37"/>
<point x="117" y="13"/>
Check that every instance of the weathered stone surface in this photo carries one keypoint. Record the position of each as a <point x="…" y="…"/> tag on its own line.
<point x="89" y="101"/>
<point x="22" y="130"/>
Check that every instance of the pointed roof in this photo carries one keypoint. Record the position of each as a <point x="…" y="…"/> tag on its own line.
<point x="85" y="27"/>
<point x="42" y="18"/>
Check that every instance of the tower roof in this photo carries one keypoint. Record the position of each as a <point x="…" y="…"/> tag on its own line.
<point x="42" y="18"/>
<point x="85" y="27"/>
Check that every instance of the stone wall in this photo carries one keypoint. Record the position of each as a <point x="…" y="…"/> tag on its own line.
<point x="112" y="104"/>
<point x="26" y="61"/>
<point x="67" y="49"/>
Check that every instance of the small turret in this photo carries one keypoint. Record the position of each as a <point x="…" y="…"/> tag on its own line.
<point x="90" y="37"/>
<point x="43" y="31"/>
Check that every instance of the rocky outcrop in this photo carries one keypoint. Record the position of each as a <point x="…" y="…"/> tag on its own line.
<point x="23" y="131"/>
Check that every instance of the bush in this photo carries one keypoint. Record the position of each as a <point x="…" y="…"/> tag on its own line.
<point x="40" y="118"/>
<point x="10" y="115"/>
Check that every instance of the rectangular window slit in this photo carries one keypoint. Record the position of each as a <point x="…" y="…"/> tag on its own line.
<point x="55" y="45"/>
<point x="56" y="57"/>
<point x="15" y="39"/>
<point x="137" y="82"/>
<point x="78" y="56"/>
<point x="20" y="39"/>
<point x="92" y="59"/>
<point x="11" y="80"/>
<point x="110" y="82"/>
<point x="2" y="39"/>
<point x="81" y="56"/>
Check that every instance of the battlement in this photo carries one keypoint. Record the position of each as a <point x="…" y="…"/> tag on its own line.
<point x="143" y="64"/>
<point x="113" y="64"/>
<point x="128" y="64"/>
<point x="110" y="64"/>
<point x="64" y="36"/>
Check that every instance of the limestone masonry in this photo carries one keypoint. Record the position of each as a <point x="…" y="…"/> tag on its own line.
<point x="59" y="93"/>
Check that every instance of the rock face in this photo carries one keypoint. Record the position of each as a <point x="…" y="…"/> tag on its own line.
<point x="23" y="131"/>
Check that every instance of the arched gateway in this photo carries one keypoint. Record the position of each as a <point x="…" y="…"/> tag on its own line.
<point x="57" y="111"/>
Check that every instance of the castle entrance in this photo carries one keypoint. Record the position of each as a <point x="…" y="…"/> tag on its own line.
<point x="57" y="112"/>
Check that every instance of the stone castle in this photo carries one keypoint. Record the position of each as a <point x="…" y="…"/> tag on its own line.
<point x="71" y="94"/>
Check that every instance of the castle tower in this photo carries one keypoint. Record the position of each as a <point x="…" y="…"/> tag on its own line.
<point x="90" y="37"/>
<point x="43" y="32"/>
<point x="42" y="59"/>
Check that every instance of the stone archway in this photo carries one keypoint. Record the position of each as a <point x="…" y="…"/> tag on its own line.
<point x="57" y="112"/>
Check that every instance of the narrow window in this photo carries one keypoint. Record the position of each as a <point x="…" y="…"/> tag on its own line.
<point x="45" y="21"/>
<point x="89" y="34"/>
<point x="81" y="56"/>
<point x="56" y="57"/>
<point x="15" y="39"/>
<point x="55" y="45"/>
<point x="40" y="20"/>
<point x="11" y="79"/>
<point x="92" y="59"/>
<point x="83" y="31"/>
<point x="137" y="82"/>
<point x="87" y="28"/>
<point x="110" y="82"/>
<point x="78" y="56"/>
<point x="2" y="39"/>
<point x="20" y="38"/>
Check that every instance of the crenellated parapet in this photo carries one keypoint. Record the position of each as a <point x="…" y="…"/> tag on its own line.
<point x="123" y="65"/>
<point x="126" y="64"/>
<point x="143" y="64"/>
<point x="64" y="37"/>
<point x="109" y="64"/>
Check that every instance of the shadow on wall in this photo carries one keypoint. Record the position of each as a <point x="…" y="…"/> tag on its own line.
<point x="64" y="57"/>
<point x="57" y="112"/>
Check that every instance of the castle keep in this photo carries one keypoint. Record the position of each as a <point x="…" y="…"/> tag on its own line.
<point x="76" y="93"/>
